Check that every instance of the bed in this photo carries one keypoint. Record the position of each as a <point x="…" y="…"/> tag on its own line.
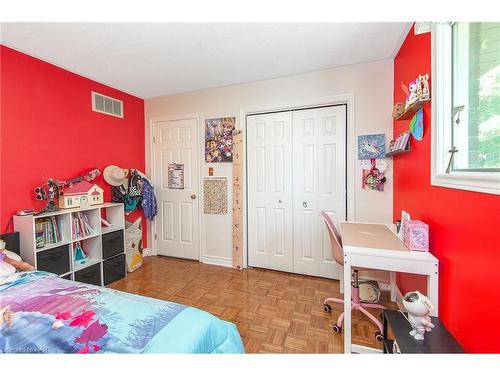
<point x="55" y="315"/>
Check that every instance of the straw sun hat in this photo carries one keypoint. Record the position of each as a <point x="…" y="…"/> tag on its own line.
<point x="113" y="175"/>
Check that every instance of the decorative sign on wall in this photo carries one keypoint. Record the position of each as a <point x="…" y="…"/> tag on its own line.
<point x="219" y="139"/>
<point x="417" y="125"/>
<point x="176" y="176"/>
<point x="237" y="201"/>
<point x="371" y="146"/>
<point x="215" y="195"/>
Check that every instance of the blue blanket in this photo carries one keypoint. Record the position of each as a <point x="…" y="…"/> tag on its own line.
<point x="54" y="315"/>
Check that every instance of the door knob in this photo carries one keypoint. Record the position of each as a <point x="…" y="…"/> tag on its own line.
<point x="193" y="196"/>
<point x="304" y="204"/>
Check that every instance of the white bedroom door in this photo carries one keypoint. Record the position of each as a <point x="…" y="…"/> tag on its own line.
<point x="269" y="174"/>
<point x="319" y="184"/>
<point x="177" y="222"/>
<point x="296" y="168"/>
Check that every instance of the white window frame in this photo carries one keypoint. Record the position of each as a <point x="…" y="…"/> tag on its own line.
<point x="441" y="137"/>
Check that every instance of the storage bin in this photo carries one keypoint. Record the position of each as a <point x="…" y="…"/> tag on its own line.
<point x="133" y="244"/>
<point x="114" y="269"/>
<point x="90" y="275"/>
<point x="112" y="244"/>
<point x="56" y="260"/>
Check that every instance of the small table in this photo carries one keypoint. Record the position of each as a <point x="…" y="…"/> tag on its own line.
<point x="439" y="340"/>
<point x="376" y="246"/>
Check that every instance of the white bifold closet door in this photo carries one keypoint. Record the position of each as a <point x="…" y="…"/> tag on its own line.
<point x="311" y="177"/>
<point x="270" y="191"/>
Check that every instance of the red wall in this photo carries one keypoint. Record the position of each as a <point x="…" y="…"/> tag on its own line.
<point x="463" y="225"/>
<point x="48" y="129"/>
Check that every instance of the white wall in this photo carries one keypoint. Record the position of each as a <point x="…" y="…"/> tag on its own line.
<point x="372" y="86"/>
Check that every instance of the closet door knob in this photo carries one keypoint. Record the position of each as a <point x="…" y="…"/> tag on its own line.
<point x="193" y="196"/>
<point x="304" y="204"/>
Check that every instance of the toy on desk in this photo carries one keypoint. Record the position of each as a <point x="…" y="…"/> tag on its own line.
<point x="80" y="256"/>
<point x="416" y="235"/>
<point x="418" y="307"/>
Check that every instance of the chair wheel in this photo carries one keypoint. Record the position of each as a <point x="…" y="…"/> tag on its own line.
<point x="337" y="329"/>
<point x="327" y="308"/>
<point x="379" y="337"/>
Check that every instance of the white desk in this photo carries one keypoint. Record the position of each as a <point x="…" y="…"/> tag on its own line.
<point x="376" y="246"/>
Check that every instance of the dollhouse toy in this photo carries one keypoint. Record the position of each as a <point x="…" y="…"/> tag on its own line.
<point x="81" y="194"/>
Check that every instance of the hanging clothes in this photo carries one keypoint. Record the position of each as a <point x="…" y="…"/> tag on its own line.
<point x="149" y="200"/>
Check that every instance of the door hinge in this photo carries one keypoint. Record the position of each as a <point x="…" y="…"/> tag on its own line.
<point x="154" y="139"/>
<point x="156" y="236"/>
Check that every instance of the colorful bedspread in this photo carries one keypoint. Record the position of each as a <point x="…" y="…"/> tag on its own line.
<point x="54" y="315"/>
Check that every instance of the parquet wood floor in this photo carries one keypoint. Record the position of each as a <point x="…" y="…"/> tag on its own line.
<point x="275" y="312"/>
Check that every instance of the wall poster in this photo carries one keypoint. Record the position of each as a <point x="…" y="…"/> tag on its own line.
<point x="215" y="195"/>
<point x="219" y="139"/>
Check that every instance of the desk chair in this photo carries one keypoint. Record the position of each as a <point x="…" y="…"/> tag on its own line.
<point x="338" y="255"/>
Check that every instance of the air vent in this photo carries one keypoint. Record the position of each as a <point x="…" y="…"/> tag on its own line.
<point x="105" y="104"/>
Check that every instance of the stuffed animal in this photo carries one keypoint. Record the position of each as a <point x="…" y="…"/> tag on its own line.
<point x="411" y="92"/>
<point x="15" y="261"/>
<point x="419" y="308"/>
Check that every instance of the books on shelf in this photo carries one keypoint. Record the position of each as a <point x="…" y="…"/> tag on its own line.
<point x="48" y="231"/>
<point x="81" y="225"/>
<point x="105" y="223"/>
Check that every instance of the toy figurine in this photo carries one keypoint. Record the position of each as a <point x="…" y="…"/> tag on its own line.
<point x="419" y="308"/>
<point x="398" y="110"/>
<point x="411" y="92"/>
<point x="424" y="82"/>
<point x="49" y="192"/>
<point x="80" y="256"/>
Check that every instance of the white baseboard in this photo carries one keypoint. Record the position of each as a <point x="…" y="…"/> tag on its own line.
<point x="217" y="261"/>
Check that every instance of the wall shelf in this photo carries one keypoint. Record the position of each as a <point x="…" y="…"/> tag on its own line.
<point x="411" y="110"/>
<point x="394" y="153"/>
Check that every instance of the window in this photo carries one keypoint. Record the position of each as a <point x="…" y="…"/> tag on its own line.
<point x="466" y="106"/>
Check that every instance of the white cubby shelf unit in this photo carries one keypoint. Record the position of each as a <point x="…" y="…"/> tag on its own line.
<point x="91" y="243"/>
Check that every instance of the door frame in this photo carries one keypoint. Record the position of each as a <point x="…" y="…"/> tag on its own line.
<point x="349" y="100"/>
<point x="152" y="228"/>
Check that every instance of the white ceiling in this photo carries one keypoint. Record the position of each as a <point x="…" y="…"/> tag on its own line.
<point x="154" y="59"/>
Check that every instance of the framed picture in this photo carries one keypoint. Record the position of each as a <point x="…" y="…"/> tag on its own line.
<point x="371" y="146"/>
